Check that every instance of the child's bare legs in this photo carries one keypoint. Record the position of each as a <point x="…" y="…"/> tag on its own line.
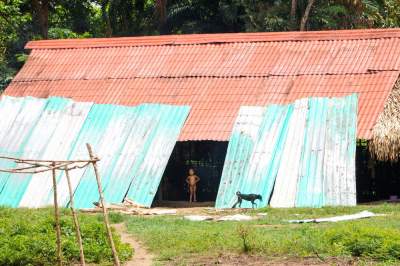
<point x="194" y="193"/>
<point x="192" y="190"/>
<point x="190" y="193"/>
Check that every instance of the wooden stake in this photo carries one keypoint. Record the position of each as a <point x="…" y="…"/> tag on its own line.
<point x="103" y="205"/>
<point x="57" y="216"/>
<point x="75" y="218"/>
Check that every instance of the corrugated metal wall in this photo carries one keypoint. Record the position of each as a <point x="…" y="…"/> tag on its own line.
<point x="254" y="152"/>
<point x="58" y="128"/>
<point x="304" y="152"/>
<point x="15" y="141"/>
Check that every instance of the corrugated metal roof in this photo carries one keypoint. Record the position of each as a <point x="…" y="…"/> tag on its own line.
<point x="59" y="128"/>
<point x="215" y="102"/>
<point x="217" y="73"/>
<point x="303" y="152"/>
<point x="214" y="60"/>
<point x="216" y="38"/>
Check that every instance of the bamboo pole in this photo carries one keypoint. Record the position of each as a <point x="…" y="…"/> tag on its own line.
<point x="75" y="218"/>
<point x="103" y="205"/>
<point x="22" y="171"/>
<point x="57" y="216"/>
<point x="45" y="161"/>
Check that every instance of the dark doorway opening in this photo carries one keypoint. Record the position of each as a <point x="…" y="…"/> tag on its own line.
<point x="376" y="180"/>
<point x="206" y="158"/>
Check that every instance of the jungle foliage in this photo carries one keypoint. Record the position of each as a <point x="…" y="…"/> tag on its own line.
<point x="24" y="20"/>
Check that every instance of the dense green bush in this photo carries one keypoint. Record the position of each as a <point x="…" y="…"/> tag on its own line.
<point x="369" y="242"/>
<point x="27" y="237"/>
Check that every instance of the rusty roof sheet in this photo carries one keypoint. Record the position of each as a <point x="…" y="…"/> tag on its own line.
<point x="217" y="73"/>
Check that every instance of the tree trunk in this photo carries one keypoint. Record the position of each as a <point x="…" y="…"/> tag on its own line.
<point x="41" y="10"/>
<point x="106" y="17"/>
<point x="293" y="14"/>
<point x="161" y="9"/>
<point x="304" y="19"/>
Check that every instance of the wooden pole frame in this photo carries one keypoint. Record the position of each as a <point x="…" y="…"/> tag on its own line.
<point x="75" y="219"/>
<point x="57" y="216"/>
<point x="38" y="166"/>
<point x="103" y="205"/>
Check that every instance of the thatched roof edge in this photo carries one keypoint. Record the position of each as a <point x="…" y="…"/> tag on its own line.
<point x="385" y="142"/>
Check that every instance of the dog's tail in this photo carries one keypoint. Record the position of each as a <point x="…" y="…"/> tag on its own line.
<point x="260" y="197"/>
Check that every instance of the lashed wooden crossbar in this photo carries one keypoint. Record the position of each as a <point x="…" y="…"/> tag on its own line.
<point x="32" y="166"/>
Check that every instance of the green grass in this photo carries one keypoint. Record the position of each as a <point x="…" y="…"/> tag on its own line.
<point x="27" y="237"/>
<point x="375" y="240"/>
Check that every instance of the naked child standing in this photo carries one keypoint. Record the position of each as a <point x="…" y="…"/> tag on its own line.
<point x="192" y="181"/>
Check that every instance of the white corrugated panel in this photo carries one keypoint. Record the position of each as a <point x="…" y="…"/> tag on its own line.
<point x="36" y="144"/>
<point x="13" y="143"/>
<point x="285" y="189"/>
<point x="9" y="109"/>
<point x="58" y="148"/>
<point x="340" y="148"/>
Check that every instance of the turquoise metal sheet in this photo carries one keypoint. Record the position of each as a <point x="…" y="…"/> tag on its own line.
<point x="134" y="149"/>
<point x="311" y="177"/>
<point x="158" y="145"/>
<point x="14" y="142"/>
<point x="134" y="144"/>
<point x="92" y="131"/>
<point x="35" y="144"/>
<point x="253" y="154"/>
<point x="58" y="148"/>
<point x="112" y="141"/>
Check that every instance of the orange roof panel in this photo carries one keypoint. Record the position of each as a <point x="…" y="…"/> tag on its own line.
<point x="217" y="73"/>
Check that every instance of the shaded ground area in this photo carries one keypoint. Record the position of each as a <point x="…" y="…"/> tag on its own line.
<point x="183" y="204"/>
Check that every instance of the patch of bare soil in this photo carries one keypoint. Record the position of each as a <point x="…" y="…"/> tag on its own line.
<point x="240" y="260"/>
<point x="141" y="256"/>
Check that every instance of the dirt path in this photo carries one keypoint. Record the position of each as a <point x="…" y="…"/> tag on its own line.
<point x="141" y="256"/>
